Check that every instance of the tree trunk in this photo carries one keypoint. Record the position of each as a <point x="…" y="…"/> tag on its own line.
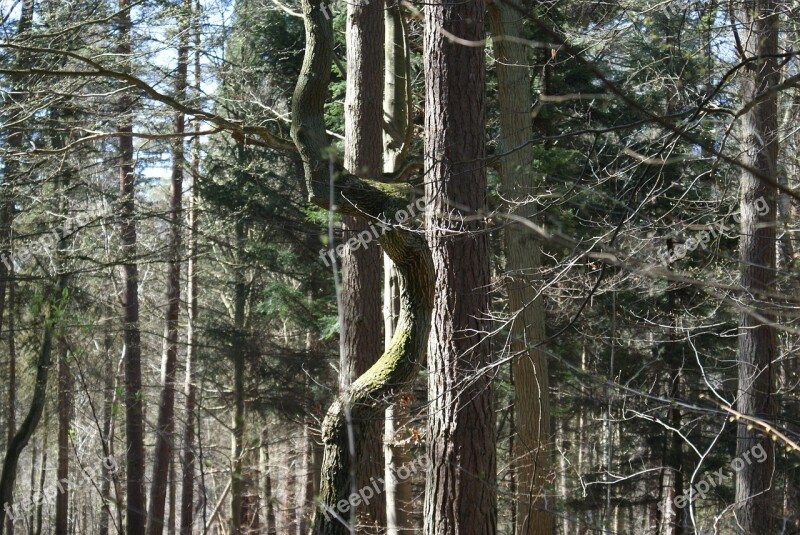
<point x="14" y="140"/>
<point x="533" y="463"/>
<point x="368" y="396"/>
<point x="134" y="428"/>
<point x="187" y="484"/>
<point x="305" y="500"/>
<point x="42" y="474"/>
<point x="12" y="369"/>
<point x="163" y="454"/>
<point x="396" y="138"/>
<point x="460" y="490"/>
<point x="398" y="128"/>
<point x="361" y="342"/>
<point x="107" y="438"/>
<point x="65" y="395"/>
<point x="266" y="482"/>
<point x="237" y="446"/>
<point x="28" y="426"/>
<point x="757" y="337"/>
<point x="398" y="490"/>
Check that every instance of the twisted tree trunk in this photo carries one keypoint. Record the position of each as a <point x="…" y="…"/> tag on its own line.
<point x="367" y="396"/>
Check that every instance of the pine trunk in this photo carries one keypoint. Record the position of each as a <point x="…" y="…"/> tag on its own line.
<point x="163" y="453"/>
<point x="361" y="341"/>
<point x="134" y="426"/>
<point x="532" y="462"/>
<point x="757" y="337"/>
<point x="460" y="492"/>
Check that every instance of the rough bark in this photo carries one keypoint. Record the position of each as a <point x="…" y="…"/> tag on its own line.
<point x="532" y="455"/>
<point x="369" y="394"/>
<point x="163" y="456"/>
<point x="134" y="429"/>
<point x="460" y="490"/>
<point x="361" y="342"/>
<point x="757" y="336"/>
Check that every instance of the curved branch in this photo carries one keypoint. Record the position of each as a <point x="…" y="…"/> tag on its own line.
<point x="369" y="395"/>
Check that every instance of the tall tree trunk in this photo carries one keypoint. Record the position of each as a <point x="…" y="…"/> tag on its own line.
<point x="460" y="490"/>
<point x="533" y="463"/>
<point x="396" y="455"/>
<point x="396" y="137"/>
<point x="305" y="495"/>
<point x="361" y="342"/>
<point x="398" y="128"/>
<point x="134" y="427"/>
<point x="238" y="356"/>
<point x="757" y="337"/>
<point x="65" y="395"/>
<point x="187" y="484"/>
<point x="163" y="454"/>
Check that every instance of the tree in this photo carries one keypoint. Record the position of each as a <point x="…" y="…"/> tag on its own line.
<point x="361" y="341"/>
<point x="189" y="389"/>
<point x="163" y="456"/>
<point x="460" y="488"/>
<point x="520" y="186"/>
<point x="134" y="424"/>
<point x="757" y="335"/>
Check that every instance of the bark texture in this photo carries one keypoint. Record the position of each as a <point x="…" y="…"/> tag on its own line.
<point x="757" y="336"/>
<point x="369" y="395"/>
<point x="532" y="450"/>
<point x="361" y="339"/>
<point x="460" y="490"/>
